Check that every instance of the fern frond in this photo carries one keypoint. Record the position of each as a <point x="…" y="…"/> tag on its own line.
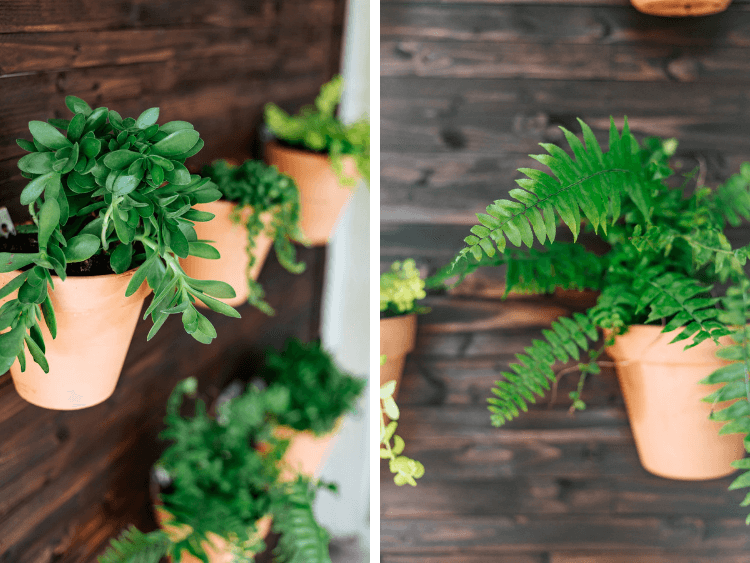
<point x="590" y="186"/>
<point x="683" y="301"/>
<point x="731" y="200"/>
<point x="302" y="539"/>
<point x="534" y="374"/>
<point x="133" y="546"/>
<point x="736" y="380"/>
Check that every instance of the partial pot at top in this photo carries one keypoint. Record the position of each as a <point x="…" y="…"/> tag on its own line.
<point x="321" y="196"/>
<point x="231" y="240"/>
<point x="95" y="324"/>
<point x="398" y="336"/>
<point x="681" y="7"/>
<point x="670" y="423"/>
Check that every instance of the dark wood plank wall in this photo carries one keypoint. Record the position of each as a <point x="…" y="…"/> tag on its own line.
<point x="71" y="480"/>
<point x="468" y="90"/>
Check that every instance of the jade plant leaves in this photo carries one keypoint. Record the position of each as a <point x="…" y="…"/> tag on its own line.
<point x="116" y="187"/>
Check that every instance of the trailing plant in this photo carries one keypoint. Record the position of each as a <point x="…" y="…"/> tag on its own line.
<point x="400" y="289"/>
<point x="406" y="470"/>
<point x="113" y="190"/>
<point x="223" y="473"/>
<point x="258" y="189"/>
<point x="735" y="378"/>
<point x="668" y="252"/>
<point x="317" y="128"/>
<point x="319" y="391"/>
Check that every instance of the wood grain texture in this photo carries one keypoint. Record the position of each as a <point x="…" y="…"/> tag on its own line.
<point x="70" y="481"/>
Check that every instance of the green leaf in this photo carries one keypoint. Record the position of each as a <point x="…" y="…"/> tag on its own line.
<point x="120" y="159"/>
<point x="37" y="354"/>
<point x="176" y="143"/>
<point x="37" y="162"/>
<point x="49" y="316"/>
<point x="82" y="247"/>
<point x="75" y="128"/>
<point x="49" y="218"/>
<point x="218" y="289"/>
<point x="125" y="184"/>
<point x="140" y="276"/>
<point x="48" y="135"/>
<point x="203" y="250"/>
<point x="11" y="342"/>
<point x="77" y="105"/>
<point x="35" y="188"/>
<point x="121" y="258"/>
<point x="11" y="261"/>
<point x="217" y="306"/>
<point x="147" y="118"/>
<point x="174" y="126"/>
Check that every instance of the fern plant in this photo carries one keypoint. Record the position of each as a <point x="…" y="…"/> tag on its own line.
<point x="317" y="128"/>
<point x="262" y="189"/>
<point x="668" y="252"/>
<point x="319" y="391"/>
<point x="224" y="476"/>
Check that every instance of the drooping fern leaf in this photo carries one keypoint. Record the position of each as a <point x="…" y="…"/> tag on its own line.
<point x="133" y="546"/>
<point x="736" y="380"/>
<point x="590" y="185"/>
<point x="534" y="374"/>
<point x="302" y="539"/>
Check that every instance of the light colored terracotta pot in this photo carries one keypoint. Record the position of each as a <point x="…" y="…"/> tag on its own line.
<point x="95" y="324"/>
<point x="670" y="423"/>
<point x="230" y="239"/>
<point x="217" y="548"/>
<point x="398" y="336"/>
<point x="307" y="452"/>
<point x="681" y="7"/>
<point x="321" y="196"/>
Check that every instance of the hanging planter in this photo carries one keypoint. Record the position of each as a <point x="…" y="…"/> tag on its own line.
<point x="320" y="394"/>
<point x="678" y="8"/>
<point x="661" y="386"/>
<point x="259" y="209"/>
<point x="324" y="156"/>
<point x="398" y="336"/>
<point x="111" y="204"/>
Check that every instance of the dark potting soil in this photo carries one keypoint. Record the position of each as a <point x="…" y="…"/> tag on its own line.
<point x="27" y="243"/>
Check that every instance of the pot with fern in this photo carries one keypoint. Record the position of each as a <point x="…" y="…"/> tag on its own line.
<point x="217" y="493"/>
<point x="259" y="209"/>
<point x="325" y="157"/>
<point x="400" y="288"/>
<point x="320" y="394"/>
<point x="664" y="285"/>
<point x="111" y="207"/>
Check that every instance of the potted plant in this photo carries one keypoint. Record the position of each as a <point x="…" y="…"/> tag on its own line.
<point x="320" y="393"/>
<point x="680" y="8"/>
<point x="400" y="288"/>
<point x="111" y="205"/>
<point x="259" y="207"/>
<point x="218" y="490"/>
<point x="322" y="154"/>
<point x="658" y="287"/>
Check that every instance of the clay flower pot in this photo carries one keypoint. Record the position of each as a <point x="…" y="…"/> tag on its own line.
<point x="321" y="197"/>
<point x="680" y="7"/>
<point x="398" y="336"/>
<point x="670" y="423"/>
<point x="95" y="324"/>
<point x="218" y="549"/>
<point x="307" y="452"/>
<point x="230" y="239"/>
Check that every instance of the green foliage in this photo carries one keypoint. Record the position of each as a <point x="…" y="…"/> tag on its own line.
<point x="262" y="189"/>
<point x="405" y="469"/>
<point x="104" y="185"/>
<point x="225" y="476"/>
<point x="134" y="546"/>
<point x="400" y="288"/>
<point x="318" y="129"/>
<point x="735" y="378"/>
<point x="319" y="391"/>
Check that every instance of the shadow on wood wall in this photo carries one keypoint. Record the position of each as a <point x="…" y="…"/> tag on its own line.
<point x="71" y="480"/>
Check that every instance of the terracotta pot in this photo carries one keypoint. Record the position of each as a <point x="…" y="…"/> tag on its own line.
<point x="230" y="239"/>
<point x="307" y="452"/>
<point x="398" y="336"/>
<point x="670" y="423"/>
<point x="681" y="7"/>
<point x="321" y="196"/>
<point x="95" y="324"/>
<point x="217" y="548"/>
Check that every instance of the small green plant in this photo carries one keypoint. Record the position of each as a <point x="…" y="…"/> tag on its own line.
<point x="262" y="189"/>
<point x="224" y="476"/>
<point x="115" y="188"/>
<point x="400" y="289"/>
<point x="318" y="129"/>
<point x="405" y="470"/>
<point x="319" y="391"/>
